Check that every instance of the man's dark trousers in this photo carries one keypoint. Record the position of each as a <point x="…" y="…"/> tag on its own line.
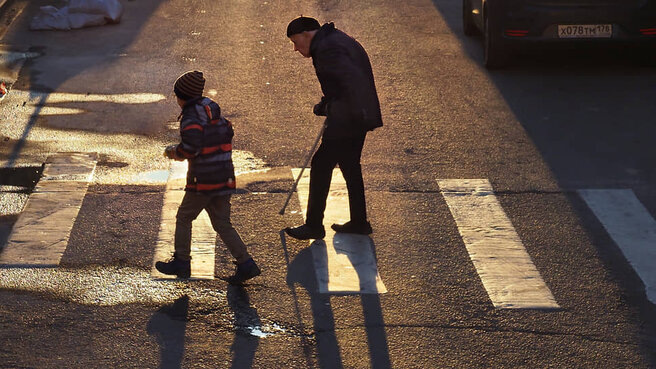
<point x="346" y="153"/>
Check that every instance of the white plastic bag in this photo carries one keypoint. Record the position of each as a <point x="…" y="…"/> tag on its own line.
<point x="78" y="14"/>
<point x="79" y="20"/>
<point x="50" y="17"/>
<point x="110" y="9"/>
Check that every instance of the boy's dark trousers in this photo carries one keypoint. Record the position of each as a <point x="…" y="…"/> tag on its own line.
<point x="346" y="153"/>
<point x="218" y="208"/>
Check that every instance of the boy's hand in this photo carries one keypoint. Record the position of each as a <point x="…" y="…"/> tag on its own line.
<point x="171" y="153"/>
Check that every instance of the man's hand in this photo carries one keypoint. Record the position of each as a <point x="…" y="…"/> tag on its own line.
<point x="171" y="153"/>
<point x="321" y="109"/>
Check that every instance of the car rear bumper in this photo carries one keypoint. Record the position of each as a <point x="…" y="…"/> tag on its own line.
<point x="540" y="22"/>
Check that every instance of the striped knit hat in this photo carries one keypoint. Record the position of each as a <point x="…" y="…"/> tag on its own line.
<point x="189" y="85"/>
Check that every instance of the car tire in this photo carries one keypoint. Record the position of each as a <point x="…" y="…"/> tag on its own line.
<point x="495" y="49"/>
<point x="468" y="25"/>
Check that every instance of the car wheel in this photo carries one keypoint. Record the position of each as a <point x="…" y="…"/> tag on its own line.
<point x="496" y="52"/>
<point x="468" y="19"/>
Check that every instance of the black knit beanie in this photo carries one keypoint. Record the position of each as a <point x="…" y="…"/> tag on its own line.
<point x="302" y="24"/>
<point x="189" y="85"/>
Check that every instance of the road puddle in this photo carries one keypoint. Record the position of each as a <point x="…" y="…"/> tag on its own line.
<point x="244" y="162"/>
<point x="262" y="331"/>
<point x="153" y="176"/>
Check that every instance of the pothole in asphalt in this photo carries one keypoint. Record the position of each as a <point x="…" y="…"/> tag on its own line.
<point x="105" y="160"/>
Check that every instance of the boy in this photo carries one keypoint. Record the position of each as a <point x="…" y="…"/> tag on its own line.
<point x="206" y="142"/>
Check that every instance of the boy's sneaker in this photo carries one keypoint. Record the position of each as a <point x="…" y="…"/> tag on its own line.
<point x="244" y="272"/>
<point x="350" y="227"/>
<point x="175" y="266"/>
<point x="305" y="232"/>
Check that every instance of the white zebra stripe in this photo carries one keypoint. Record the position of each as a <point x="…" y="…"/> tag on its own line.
<point x="631" y="227"/>
<point x="505" y="268"/>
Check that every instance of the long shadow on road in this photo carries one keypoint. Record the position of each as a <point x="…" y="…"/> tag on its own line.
<point x="168" y="326"/>
<point x="246" y="320"/>
<point x="301" y="270"/>
<point x="15" y="185"/>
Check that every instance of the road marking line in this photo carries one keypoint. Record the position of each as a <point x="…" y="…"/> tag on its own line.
<point x="632" y="228"/>
<point x="505" y="268"/>
<point x="203" y="240"/>
<point x="344" y="263"/>
<point x="40" y="236"/>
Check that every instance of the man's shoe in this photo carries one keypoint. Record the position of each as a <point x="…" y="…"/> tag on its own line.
<point x="305" y="232"/>
<point x="350" y="227"/>
<point x="175" y="266"/>
<point x="244" y="272"/>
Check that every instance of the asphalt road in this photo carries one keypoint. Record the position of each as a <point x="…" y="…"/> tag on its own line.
<point x="557" y="121"/>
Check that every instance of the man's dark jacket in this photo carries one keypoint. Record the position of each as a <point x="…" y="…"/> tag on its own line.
<point x="347" y="82"/>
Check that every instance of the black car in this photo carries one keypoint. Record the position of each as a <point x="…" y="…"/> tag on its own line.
<point x="508" y="24"/>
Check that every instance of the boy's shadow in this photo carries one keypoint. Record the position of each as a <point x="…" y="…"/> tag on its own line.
<point x="302" y="271"/>
<point x="246" y="321"/>
<point x="169" y="325"/>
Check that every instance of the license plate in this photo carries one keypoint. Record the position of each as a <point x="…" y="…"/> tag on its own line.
<point x="585" y="31"/>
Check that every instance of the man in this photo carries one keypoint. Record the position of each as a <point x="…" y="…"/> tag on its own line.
<point x="350" y="104"/>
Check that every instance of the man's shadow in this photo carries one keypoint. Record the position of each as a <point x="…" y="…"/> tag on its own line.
<point x="168" y="325"/>
<point x="247" y="325"/>
<point x="302" y="270"/>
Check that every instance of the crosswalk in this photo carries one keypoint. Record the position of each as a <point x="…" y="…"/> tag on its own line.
<point x="504" y="266"/>
<point x="344" y="263"/>
<point x="631" y="227"/>
<point x="40" y="235"/>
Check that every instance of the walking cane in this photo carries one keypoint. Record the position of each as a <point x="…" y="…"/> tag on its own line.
<point x="307" y="160"/>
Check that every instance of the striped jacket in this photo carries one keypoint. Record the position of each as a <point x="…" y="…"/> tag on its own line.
<point x="207" y="146"/>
